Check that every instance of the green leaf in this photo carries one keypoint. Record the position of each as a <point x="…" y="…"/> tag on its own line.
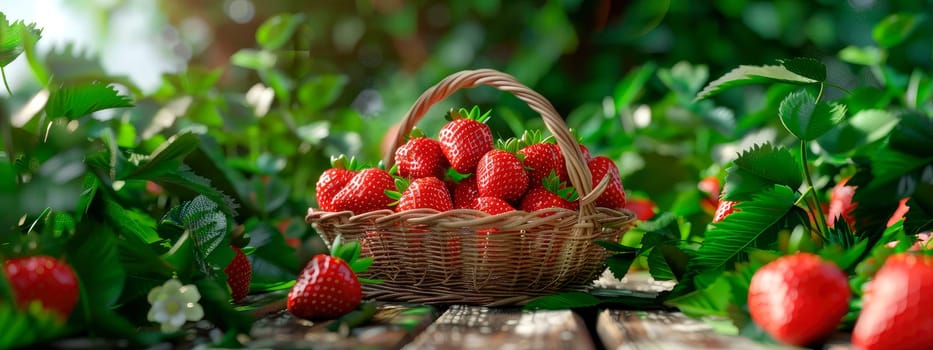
<point x="866" y="56"/>
<point x="131" y="221"/>
<point x="806" y="67"/>
<point x="167" y="158"/>
<point x="759" y="169"/>
<point x="893" y="29"/>
<point x="321" y="91"/>
<point x="806" y="119"/>
<point x="207" y="226"/>
<point x="684" y="79"/>
<point x="562" y="301"/>
<point x="80" y="100"/>
<point x="633" y="82"/>
<point x="914" y="134"/>
<point x="729" y="239"/>
<point x="745" y="75"/>
<point x="91" y="184"/>
<point x="11" y="38"/>
<point x="93" y="255"/>
<point x="215" y="299"/>
<point x="24" y="328"/>
<point x="277" y="30"/>
<point x="713" y="300"/>
<point x="619" y="264"/>
<point x="920" y="216"/>
<point x="253" y="59"/>
<point x="197" y="185"/>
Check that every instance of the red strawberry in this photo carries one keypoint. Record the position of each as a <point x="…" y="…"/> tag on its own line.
<point x="840" y="203"/>
<point x="492" y="205"/>
<point x="239" y="273"/>
<point x="541" y="158"/>
<point x="332" y="181"/>
<point x="425" y="192"/>
<point x="586" y="153"/>
<point x="642" y="207"/>
<point x="710" y="186"/>
<point x="327" y="288"/>
<point x="500" y="174"/>
<point x="614" y="195"/>
<point x="465" y="139"/>
<point x="420" y="157"/>
<point x="899" y="213"/>
<point x="725" y="208"/>
<point x="44" y="279"/>
<point x="465" y="192"/>
<point x="799" y="299"/>
<point x="366" y="192"/>
<point x="896" y="311"/>
<point x="553" y="193"/>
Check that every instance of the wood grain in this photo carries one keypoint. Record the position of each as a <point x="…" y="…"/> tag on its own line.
<point x="391" y="328"/>
<point x="473" y="327"/>
<point x="623" y="330"/>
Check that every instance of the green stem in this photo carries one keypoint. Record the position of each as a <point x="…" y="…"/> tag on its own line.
<point x="820" y="94"/>
<point x="816" y="212"/>
<point x="5" y="83"/>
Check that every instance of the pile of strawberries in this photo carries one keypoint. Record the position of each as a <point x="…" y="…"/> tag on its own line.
<point x="464" y="168"/>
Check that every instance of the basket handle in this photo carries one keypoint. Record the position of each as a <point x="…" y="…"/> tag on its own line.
<point x="577" y="170"/>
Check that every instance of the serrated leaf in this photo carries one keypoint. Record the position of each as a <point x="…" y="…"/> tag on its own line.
<point x="745" y="75"/>
<point x="759" y="169"/>
<point x="658" y="267"/>
<point x="563" y="301"/>
<point x="11" y="38"/>
<point x="729" y="239"/>
<point x="183" y="177"/>
<point x="131" y="221"/>
<point x="806" y="119"/>
<point x="619" y="264"/>
<point x="806" y="67"/>
<point x="167" y="157"/>
<point x="711" y="301"/>
<point x="80" y="100"/>
<point x="205" y="222"/>
<point x="893" y="29"/>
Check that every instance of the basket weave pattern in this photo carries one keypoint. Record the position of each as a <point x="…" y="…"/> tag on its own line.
<point x="470" y="257"/>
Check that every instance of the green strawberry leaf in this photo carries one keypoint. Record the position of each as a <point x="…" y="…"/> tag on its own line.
<point x="710" y="301"/>
<point x="207" y="226"/>
<point x="131" y="221"/>
<point x="920" y="216"/>
<point x="277" y="30"/>
<point x="746" y="75"/>
<point x="562" y="301"/>
<point x="80" y="100"/>
<point x="759" y="169"/>
<point x="11" y="38"/>
<point x="22" y="328"/>
<point x="166" y="158"/>
<point x="183" y="179"/>
<point x="865" y="127"/>
<point x="728" y="241"/>
<point x="363" y="313"/>
<point x="914" y="134"/>
<point x="629" y="87"/>
<point x="620" y="263"/>
<point x="895" y="28"/>
<point x="615" y="247"/>
<point x="806" y="119"/>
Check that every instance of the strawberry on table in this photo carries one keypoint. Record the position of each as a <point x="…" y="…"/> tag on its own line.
<point x="614" y="195"/>
<point x="500" y="173"/>
<point x="799" y="299"/>
<point x="425" y="192"/>
<point x="327" y="288"/>
<point x="465" y="139"/>
<point x="332" y="181"/>
<point x="420" y="157"/>
<point x="44" y="279"/>
<point x="896" y="311"/>
<point x="239" y="273"/>
<point x="366" y="192"/>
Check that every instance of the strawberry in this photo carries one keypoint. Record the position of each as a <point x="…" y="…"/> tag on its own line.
<point x="420" y="157"/>
<point x="895" y="311"/>
<point x="465" y="139"/>
<point x="642" y="207"/>
<point x="239" y="273"/>
<point x="327" y="288"/>
<point x="614" y="195"/>
<point x="725" y="208"/>
<point x="425" y="192"/>
<point x="586" y="153"/>
<point x="366" y="192"/>
<point x="332" y="181"/>
<point x="899" y="213"/>
<point x="464" y="193"/>
<point x="710" y="187"/>
<point x="499" y="173"/>
<point x="553" y="193"/>
<point x="492" y="205"/>
<point x="541" y="158"/>
<point x="799" y="299"/>
<point x="44" y="279"/>
<point x="840" y="203"/>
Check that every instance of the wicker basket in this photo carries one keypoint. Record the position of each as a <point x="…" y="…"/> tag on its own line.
<point x="469" y="257"/>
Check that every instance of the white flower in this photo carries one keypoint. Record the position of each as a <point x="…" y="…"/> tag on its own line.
<point x="173" y="304"/>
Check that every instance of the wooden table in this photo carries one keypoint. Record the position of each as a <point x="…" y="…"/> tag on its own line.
<point x="401" y="326"/>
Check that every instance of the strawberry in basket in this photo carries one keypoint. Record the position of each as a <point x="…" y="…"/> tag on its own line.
<point x="541" y="157"/>
<point x="465" y="139"/>
<point x="500" y="173"/>
<point x="333" y="180"/>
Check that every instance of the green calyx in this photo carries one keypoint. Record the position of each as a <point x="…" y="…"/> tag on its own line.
<point x="415" y="133"/>
<point x="553" y="184"/>
<point x="350" y="253"/>
<point x="533" y="137"/>
<point x="511" y="145"/>
<point x="342" y="162"/>
<point x="472" y="114"/>
<point x="401" y="184"/>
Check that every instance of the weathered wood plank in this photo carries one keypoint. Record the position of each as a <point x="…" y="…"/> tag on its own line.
<point x="472" y="327"/>
<point x="391" y="328"/>
<point x="622" y="330"/>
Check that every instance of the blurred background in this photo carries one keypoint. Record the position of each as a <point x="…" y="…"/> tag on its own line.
<point x="283" y="85"/>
